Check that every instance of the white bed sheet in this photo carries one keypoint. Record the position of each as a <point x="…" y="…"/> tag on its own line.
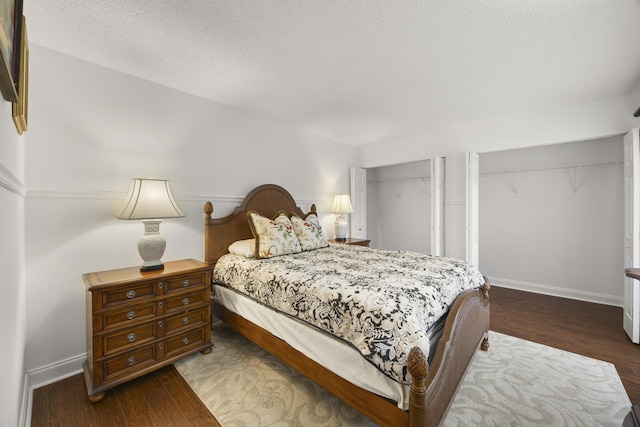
<point x="332" y="353"/>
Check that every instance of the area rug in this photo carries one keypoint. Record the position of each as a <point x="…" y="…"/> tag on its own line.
<point x="515" y="383"/>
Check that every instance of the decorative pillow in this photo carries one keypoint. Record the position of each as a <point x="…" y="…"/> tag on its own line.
<point x="273" y="236"/>
<point x="309" y="232"/>
<point x="244" y="248"/>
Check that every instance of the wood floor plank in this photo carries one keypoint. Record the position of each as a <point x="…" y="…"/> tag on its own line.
<point x="131" y="397"/>
<point x="108" y="412"/>
<point x="163" y="398"/>
<point x="164" y="402"/>
<point x="62" y="404"/>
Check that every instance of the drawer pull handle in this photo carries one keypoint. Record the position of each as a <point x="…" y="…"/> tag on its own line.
<point x="185" y="320"/>
<point x="160" y="305"/>
<point x="131" y="315"/>
<point x="160" y="285"/>
<point x="131" y="361"/>
<point x="131" y="337"/>
<point x="185" y="340"/>
<point x="159" y="345"/>
<point x="185" y="282"/>
<point x="131" y="293"/>
<point x="160" y="323"/>
<point x="185" y="301"/>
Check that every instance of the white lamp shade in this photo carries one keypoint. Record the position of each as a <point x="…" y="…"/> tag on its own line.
<point x="342" y="204"/>
<point x="149" y="199"/>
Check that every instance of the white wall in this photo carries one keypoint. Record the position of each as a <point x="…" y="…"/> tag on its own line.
<point x="12" y="277"/>
<point x="401" y="195"/>
<point x="93" y="129"/>
<point x="543" y="126"/>
<point x="553" y="228"/>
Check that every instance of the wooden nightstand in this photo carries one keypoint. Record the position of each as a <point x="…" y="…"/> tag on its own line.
<point x="139" y="321"/>
<point x="351" y="241"/>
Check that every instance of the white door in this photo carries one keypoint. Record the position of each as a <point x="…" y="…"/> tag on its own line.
<point x="437" y="206"/>
<point x="473" y="204"/>
<point x="631" y="314"/>
<point x="359" y="202"/>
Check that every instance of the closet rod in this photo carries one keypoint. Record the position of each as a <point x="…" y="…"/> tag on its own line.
<point x="422" y="178"/>
<point x="616" y="163"/>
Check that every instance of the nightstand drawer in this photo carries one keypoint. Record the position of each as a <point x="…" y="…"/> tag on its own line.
<point x="185" y="320"/>
<point x="188" y="282"/>
<point x="185" y="301"/>
<point x="134" y="292"/>
<point x="135" y="314"/>
<point x="185" y="341"/>
<point x="136" y="335"/>
<point x="133" y="360"/>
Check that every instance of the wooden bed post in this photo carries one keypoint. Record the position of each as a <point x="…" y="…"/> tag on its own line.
<point x="419" y="369"/>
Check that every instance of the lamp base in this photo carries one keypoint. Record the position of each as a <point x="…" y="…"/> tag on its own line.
<point x="151" y="246"/>
<point x="152" y="267"/>
<point x="340" y="229"/>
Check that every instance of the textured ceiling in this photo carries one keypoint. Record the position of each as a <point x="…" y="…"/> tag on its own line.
<point x="359" y="71"/>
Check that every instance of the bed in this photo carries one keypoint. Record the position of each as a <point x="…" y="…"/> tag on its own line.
<point x="432" y="374"/>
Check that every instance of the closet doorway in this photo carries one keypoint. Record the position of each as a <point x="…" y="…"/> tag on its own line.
<point x="551" y="219"/>
<point x="399" y="206"/>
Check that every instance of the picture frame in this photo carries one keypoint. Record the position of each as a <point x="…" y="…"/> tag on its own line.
<point x="10" y="40"/>
<point x="20" y="109"/>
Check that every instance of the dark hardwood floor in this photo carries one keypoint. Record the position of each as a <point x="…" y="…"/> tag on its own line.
<point x="163" y="398"/>
<point x="159" y="399"/>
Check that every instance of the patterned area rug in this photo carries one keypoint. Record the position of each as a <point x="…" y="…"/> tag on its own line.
<point x="515" y="383"/>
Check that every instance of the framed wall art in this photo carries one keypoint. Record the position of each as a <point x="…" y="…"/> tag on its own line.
<point x="10" y="40"/>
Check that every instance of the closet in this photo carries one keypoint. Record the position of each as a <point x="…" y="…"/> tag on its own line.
<point x="399" y="206"/>
<point x="551" y="219"/>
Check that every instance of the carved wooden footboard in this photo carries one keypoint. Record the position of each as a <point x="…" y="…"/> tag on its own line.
<point x="467" y="327"/>
<point x="433" y="387"/>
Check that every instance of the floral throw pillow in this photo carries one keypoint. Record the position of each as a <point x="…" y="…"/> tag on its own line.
<point x="273" y="236"/>
<point x="309" y="232"/>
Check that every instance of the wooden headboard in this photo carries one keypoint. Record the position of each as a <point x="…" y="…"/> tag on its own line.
<point x="219" y="233"/>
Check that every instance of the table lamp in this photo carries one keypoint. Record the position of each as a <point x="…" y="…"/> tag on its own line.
<point x="149" y="200"/>
<point x="341" y="206"/>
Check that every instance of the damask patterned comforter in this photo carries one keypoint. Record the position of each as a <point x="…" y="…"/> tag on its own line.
<point x="382" y="302"/>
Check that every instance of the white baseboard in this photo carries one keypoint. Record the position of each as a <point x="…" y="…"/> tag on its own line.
<point x="43" y="376"/>
<point x="557" y="291"/>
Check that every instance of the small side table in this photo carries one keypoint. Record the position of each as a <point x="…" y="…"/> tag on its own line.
<point x="350" y="241"/>
<point x="140" y="321"/>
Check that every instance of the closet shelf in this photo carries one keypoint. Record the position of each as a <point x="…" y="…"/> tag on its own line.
<point x="573" y="175"/>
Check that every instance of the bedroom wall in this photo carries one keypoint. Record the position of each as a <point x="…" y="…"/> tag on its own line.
<point x="12" y="276"/>
<point x="551" y="219"/>
<point x="543" y="126"/>
<point x="92" y="129"/>
<point x="401" y="195"/>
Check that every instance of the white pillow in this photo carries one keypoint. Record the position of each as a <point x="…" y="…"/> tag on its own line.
<point x="273" y="236"/>
<point x="243" y="247"/>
